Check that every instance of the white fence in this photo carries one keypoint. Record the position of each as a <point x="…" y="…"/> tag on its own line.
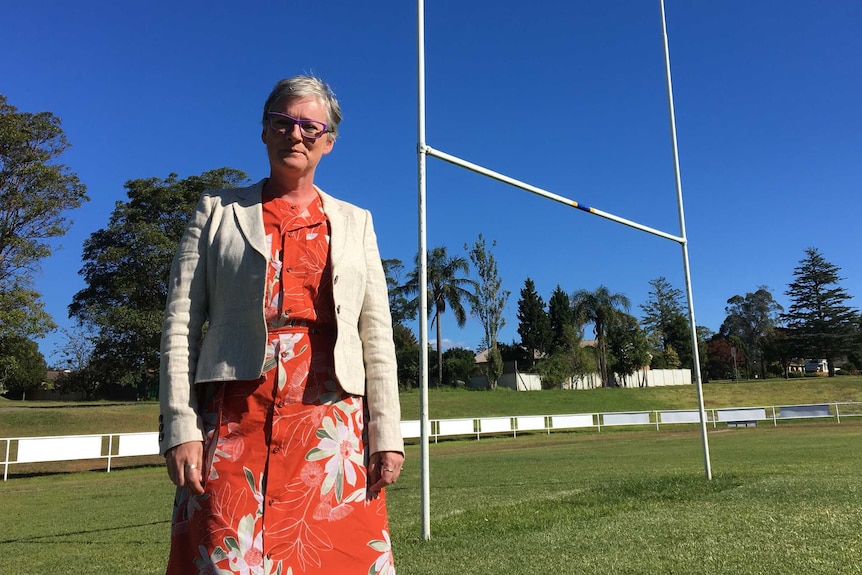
<point x="111" y="446"/>
<point x="547" y="423"/>
<point x="75" y="447"/>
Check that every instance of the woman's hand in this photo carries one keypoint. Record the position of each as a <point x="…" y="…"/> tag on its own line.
<point x="384" y="469"/>
<point x="185" y="466"/>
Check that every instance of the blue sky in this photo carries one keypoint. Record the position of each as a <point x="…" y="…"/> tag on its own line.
<point x="566" y="95"/>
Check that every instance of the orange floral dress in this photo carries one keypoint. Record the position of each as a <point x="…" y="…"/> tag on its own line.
<point x="286" y="454"/>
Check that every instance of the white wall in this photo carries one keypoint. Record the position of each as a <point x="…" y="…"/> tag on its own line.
<point x="515" y="381"/>
<point x="520" y="381"/>
<point x="641" y="378"/>
<point x="656" y="378"/>
<point x="588" y="381"/>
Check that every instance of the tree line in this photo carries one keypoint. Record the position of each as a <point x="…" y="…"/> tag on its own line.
<point x="757" y="338"/>
<point x="125" y="266"/>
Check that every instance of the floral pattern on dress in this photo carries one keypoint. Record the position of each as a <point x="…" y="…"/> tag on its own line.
<point x="385" y="564"/>
<point x="286" y="490"/>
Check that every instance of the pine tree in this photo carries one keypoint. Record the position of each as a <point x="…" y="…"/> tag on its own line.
<point x="819" y="322"/>
<point x="534" y="326"/>
<point x="665" y="322"/>
<point x="564" y="331"/>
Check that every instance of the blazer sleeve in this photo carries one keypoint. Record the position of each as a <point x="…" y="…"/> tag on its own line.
<point x="378" y="351"/>
<point x="185" y="314"/>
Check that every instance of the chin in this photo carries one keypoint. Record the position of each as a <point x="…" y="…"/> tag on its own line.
<point x="293" y="163"/>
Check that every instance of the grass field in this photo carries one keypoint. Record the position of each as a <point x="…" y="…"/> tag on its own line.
<point x="449" y="403"/>
<point x="28" y="419"/>
<point x="784" y="500"/>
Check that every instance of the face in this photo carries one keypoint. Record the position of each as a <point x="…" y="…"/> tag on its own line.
<point x="291" y="153"/>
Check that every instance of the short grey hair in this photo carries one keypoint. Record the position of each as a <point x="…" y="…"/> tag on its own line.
<point x="306" y="87"/>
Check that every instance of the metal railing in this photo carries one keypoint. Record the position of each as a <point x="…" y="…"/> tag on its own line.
<point x="478" y="426"/>
<point x="110" y="446"/>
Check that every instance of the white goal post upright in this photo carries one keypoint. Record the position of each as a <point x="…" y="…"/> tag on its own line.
<point x="425" y="424"/>
<point x="424" y="150"/>
<point x="695" y="352"/>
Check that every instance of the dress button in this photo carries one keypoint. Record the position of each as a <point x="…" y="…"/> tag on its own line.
<point x="275" y="449"/>
<point x="335" y="280"/>
<point x="338" y="308"/>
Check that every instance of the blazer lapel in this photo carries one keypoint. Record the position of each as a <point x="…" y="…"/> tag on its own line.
<point x="337" y="226"/>
<point x="249" y="216"/>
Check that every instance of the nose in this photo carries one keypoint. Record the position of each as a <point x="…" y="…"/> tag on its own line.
<point x="294" y="133"/>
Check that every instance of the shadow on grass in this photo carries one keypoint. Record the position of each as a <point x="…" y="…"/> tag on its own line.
<point x="77" y="468"/>
<point x="42" y="539"/>
<point x="18" y="404"/>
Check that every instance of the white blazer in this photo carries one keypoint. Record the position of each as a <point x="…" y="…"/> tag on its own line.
<point x="218" y="275"/>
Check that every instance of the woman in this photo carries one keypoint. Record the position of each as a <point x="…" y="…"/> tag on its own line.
<point x="280" y="427"/>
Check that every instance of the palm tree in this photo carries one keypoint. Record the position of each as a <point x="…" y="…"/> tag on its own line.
<point x="598" y="308"/>
<point x="446" y="290"/>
